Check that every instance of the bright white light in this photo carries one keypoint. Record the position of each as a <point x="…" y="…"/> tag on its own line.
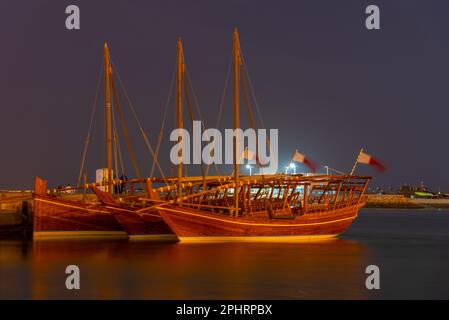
<point x="292" y="165"/>
<point x="248" y="166"/>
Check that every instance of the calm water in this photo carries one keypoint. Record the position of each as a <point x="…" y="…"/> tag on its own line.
<point x="411" y="249"/>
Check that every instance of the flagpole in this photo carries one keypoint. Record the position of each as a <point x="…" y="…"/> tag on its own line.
<point x="356" y="162"/>
<point x="291" y="161"/>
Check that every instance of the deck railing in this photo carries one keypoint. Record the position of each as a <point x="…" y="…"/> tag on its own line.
<point x="275" y="195"/>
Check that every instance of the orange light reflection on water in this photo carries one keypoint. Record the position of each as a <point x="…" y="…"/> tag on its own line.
<point x="122" y="270"/>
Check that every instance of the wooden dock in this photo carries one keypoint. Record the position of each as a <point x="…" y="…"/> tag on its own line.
<point x="16" y="215"/>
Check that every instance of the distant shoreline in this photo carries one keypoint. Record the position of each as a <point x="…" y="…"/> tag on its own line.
<point x="388" y="201"/>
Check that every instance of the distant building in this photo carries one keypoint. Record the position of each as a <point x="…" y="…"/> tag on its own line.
<point x="411" y="191"/>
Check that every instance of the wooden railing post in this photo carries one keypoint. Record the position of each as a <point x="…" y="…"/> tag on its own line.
<point x="305" y="199"/>
<point x="249" y="199"/>
<point x="363" y="190"/>
<point x="337" y="194"/>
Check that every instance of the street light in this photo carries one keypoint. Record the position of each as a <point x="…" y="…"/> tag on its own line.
<point x="249" y="168"/>
<point x="292" y="166"/>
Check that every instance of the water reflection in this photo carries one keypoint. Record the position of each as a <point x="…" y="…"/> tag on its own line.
<point x="410" y="248"/>
<point x="122" y="270"/>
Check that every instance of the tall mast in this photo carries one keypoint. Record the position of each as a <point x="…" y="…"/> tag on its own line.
<point x="236" y="117"/>
<point x="180" y="67"/>
<point x="107" y="94"/>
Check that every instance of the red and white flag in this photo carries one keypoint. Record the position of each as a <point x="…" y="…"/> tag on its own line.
<point x="368" y="159"/>
<point x="247" y="155"/>
<point x="299" y="157"/>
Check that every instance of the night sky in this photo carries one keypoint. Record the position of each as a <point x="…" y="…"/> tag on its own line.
<point x="326" y="82"/>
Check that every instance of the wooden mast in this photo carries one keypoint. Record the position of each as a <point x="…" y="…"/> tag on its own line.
<point x="236" y="118"/>
<point x="107" y="93"/>
<point x="179" y="111"/>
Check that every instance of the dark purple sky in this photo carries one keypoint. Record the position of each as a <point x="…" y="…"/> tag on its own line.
<point x="326" y="82"/>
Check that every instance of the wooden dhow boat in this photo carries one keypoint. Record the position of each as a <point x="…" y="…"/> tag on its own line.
<point x="270" y="208"/>
<point x="62" y="217"/>
<point x="106" y="213"/>
<point x="277" y="207"/>
<point x="58" y="217"/>
<point x="62" y="214"/>
<point x="266" y="207"/>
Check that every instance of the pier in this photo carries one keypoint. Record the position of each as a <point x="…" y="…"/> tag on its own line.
<point x="16" y="214"/>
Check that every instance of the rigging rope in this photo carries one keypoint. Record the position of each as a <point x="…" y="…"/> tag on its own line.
<point x="125" y="131"/>
<point x="248" y="103"/>
<point x="164" y="119"/>
<point x="147" y="142"/>
<point x="92" y="117"/>
<point x="220" y="110"/>
<point x="252" y="89"/>
<point x="117" y="150"/>
<point x="189" y="106"/>
<point x="115" y="154"/>
<point x="248" y="83"/>
<point x="195" y="98"/>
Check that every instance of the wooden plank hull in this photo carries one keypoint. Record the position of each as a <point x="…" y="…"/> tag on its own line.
<point x="56" y="219"/>
<point x="63" y="219"/>
<point x="140" y="227"/>
<point x="193" y="225"/>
